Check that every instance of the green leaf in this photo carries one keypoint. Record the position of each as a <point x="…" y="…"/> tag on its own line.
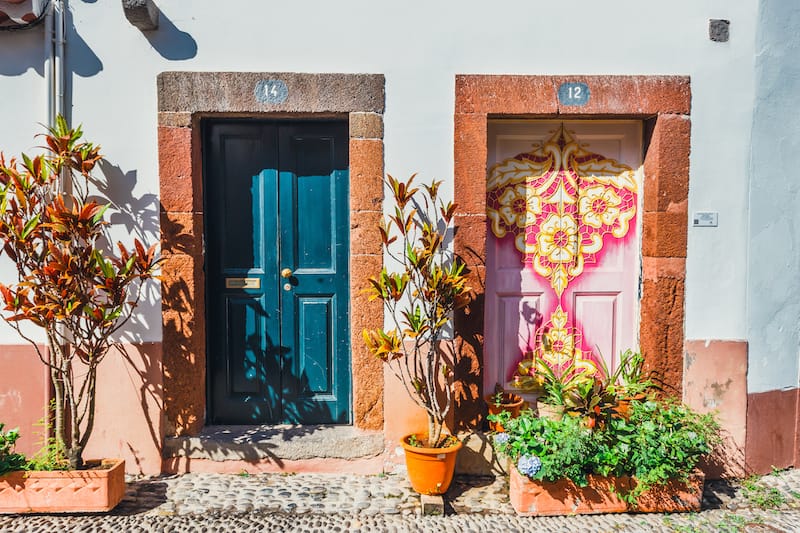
<point x="29" y="227"/>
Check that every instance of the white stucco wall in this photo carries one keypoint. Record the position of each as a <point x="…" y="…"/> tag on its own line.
<point x="420" y="46"/>
<point x="773" y="289"/>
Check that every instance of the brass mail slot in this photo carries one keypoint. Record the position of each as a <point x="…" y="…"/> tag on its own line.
<point x="242" y="283"/>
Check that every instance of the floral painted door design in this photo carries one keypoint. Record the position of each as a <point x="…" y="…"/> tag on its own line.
<point x="562" y="244"/>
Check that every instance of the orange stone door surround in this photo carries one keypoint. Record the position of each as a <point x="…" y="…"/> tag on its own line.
<point x="185" y="99"/>
<point x="663" y="104"/>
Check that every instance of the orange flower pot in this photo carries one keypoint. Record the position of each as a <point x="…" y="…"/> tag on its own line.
<point x="511" y="403"/>
<point x="430" y="470"/>
<point x="64" y="491"/>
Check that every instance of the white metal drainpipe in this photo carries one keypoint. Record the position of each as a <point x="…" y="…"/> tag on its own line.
<point x="59" y="20"/>
<point x="54" y="41"/>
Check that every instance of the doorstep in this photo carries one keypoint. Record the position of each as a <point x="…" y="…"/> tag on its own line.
<point x="282" y="448"/>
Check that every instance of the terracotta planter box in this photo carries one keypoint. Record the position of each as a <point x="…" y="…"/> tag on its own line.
<point x="674" y="497"/>
<point x="563" y="497"/>
<point x="64" y="491"/>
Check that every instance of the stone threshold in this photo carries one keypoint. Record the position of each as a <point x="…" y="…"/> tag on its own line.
<point x="282" y="442"/>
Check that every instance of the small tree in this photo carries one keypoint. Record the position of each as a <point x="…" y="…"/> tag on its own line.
<point x="68" y="284"/>
<point x="420" y="298"/>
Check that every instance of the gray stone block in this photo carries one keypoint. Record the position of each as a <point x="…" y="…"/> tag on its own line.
<point x="366" y="126"/>
<point x="141" y="13"/>
<point x="432" y="505"/>
<point x="719" y="30"/>
<point x="235" y="92"/>
<point x="254" y="443"/>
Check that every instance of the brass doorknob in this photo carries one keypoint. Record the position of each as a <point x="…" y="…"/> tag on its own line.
<point x="286" y="273"/>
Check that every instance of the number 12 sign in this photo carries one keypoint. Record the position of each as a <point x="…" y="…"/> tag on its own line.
<point x="573" y="93"/>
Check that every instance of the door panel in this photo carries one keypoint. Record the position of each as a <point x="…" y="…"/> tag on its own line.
<point x="276" y="200"/>
<point x="599" y="286"/>
<point x="314" y="246"/>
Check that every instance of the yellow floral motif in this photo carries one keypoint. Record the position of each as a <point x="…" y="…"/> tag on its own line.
<point x="599" y="205"/>
<point x="519" y="206"/>
<point x="560" y="344"/>
<point x="558" y="238"/>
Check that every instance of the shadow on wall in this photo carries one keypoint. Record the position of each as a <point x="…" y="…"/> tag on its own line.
<point x="469" y="362"/>
<point x="182" y="334"/>
<point x="172" y="43"/>
<point x="24" y="49"/>
<point x="139" y="217"/>
<point x="147" y="365"/>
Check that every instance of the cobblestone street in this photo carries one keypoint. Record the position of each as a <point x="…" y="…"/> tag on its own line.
<point x="317" y="502"/>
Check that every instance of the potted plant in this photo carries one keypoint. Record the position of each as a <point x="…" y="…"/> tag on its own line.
<point x="72" y="286"/>
<point x="629" y="381"/>
<point x="420" y="296"/>
<point x="645" y="463"/>
<point x="502" y="401"/>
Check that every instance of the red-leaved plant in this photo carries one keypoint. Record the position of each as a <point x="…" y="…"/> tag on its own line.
<point x="68" y="283"/>
<point x="420" y="296"/>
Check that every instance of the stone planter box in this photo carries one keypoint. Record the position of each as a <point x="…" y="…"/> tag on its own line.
<point x="563" y="497"/>
<point x="99" y="489"/>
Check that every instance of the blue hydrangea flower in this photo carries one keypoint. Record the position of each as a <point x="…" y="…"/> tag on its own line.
<point x="501" y="438"/>
<point x="529" y="465"/>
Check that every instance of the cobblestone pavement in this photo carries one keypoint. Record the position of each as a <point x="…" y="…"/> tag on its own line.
<point x="330" y="503"/>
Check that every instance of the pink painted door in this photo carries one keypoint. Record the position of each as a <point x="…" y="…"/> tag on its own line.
<point x="563" y="242"/>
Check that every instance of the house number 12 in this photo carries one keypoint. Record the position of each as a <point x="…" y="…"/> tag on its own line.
<point x="573" y="93"/>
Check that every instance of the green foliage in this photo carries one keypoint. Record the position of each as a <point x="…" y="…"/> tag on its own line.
<point x="559" y="382"/>
<point x="661" y="441"/>
<point x="666" y="440"/>
<point x="420" y="296"/>
<point x="563" y="446"/>
<point x="51" y="456"/>
<point x="762" y="496"/>
<point x="9" y="459"/>
<point x="629" y="380"/>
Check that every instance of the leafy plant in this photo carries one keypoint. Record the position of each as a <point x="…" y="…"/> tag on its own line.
<point x="592" y="400"/>
<point x="762" y="496"/>
<point x="629" y="379"/>
<point x="560" y="381"/>
<point x="562" y="447"/>
<point x="420" y="297"/>
<point x="662" y="441"/>
<point x="9" y="459"/>
<point x="497" y="398"/>
<point x="68" y="283"/>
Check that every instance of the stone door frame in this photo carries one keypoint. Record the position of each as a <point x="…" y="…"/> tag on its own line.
<point x="184" y="99"/>
<point x="663" y="103"/>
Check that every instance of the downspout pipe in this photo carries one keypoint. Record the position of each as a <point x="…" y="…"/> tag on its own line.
<point x="55" y="41"/>
<point x="54" y="46"/>
<point x="49" y="53"/>
<point x="59" y="22"/>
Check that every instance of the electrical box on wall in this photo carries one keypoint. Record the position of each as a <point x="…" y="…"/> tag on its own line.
<point x="705" y="219"/>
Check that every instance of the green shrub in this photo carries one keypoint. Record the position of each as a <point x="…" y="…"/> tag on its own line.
<point x="9" y="459"/>
<point x="659" y="441"/>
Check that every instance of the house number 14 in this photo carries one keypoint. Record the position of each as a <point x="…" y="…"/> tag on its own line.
<point x="271" y="91"/>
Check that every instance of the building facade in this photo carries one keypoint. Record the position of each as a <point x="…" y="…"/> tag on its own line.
<point x="251" y="143"/>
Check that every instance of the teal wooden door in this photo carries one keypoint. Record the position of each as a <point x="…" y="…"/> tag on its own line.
<point x="276" y="204"/>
